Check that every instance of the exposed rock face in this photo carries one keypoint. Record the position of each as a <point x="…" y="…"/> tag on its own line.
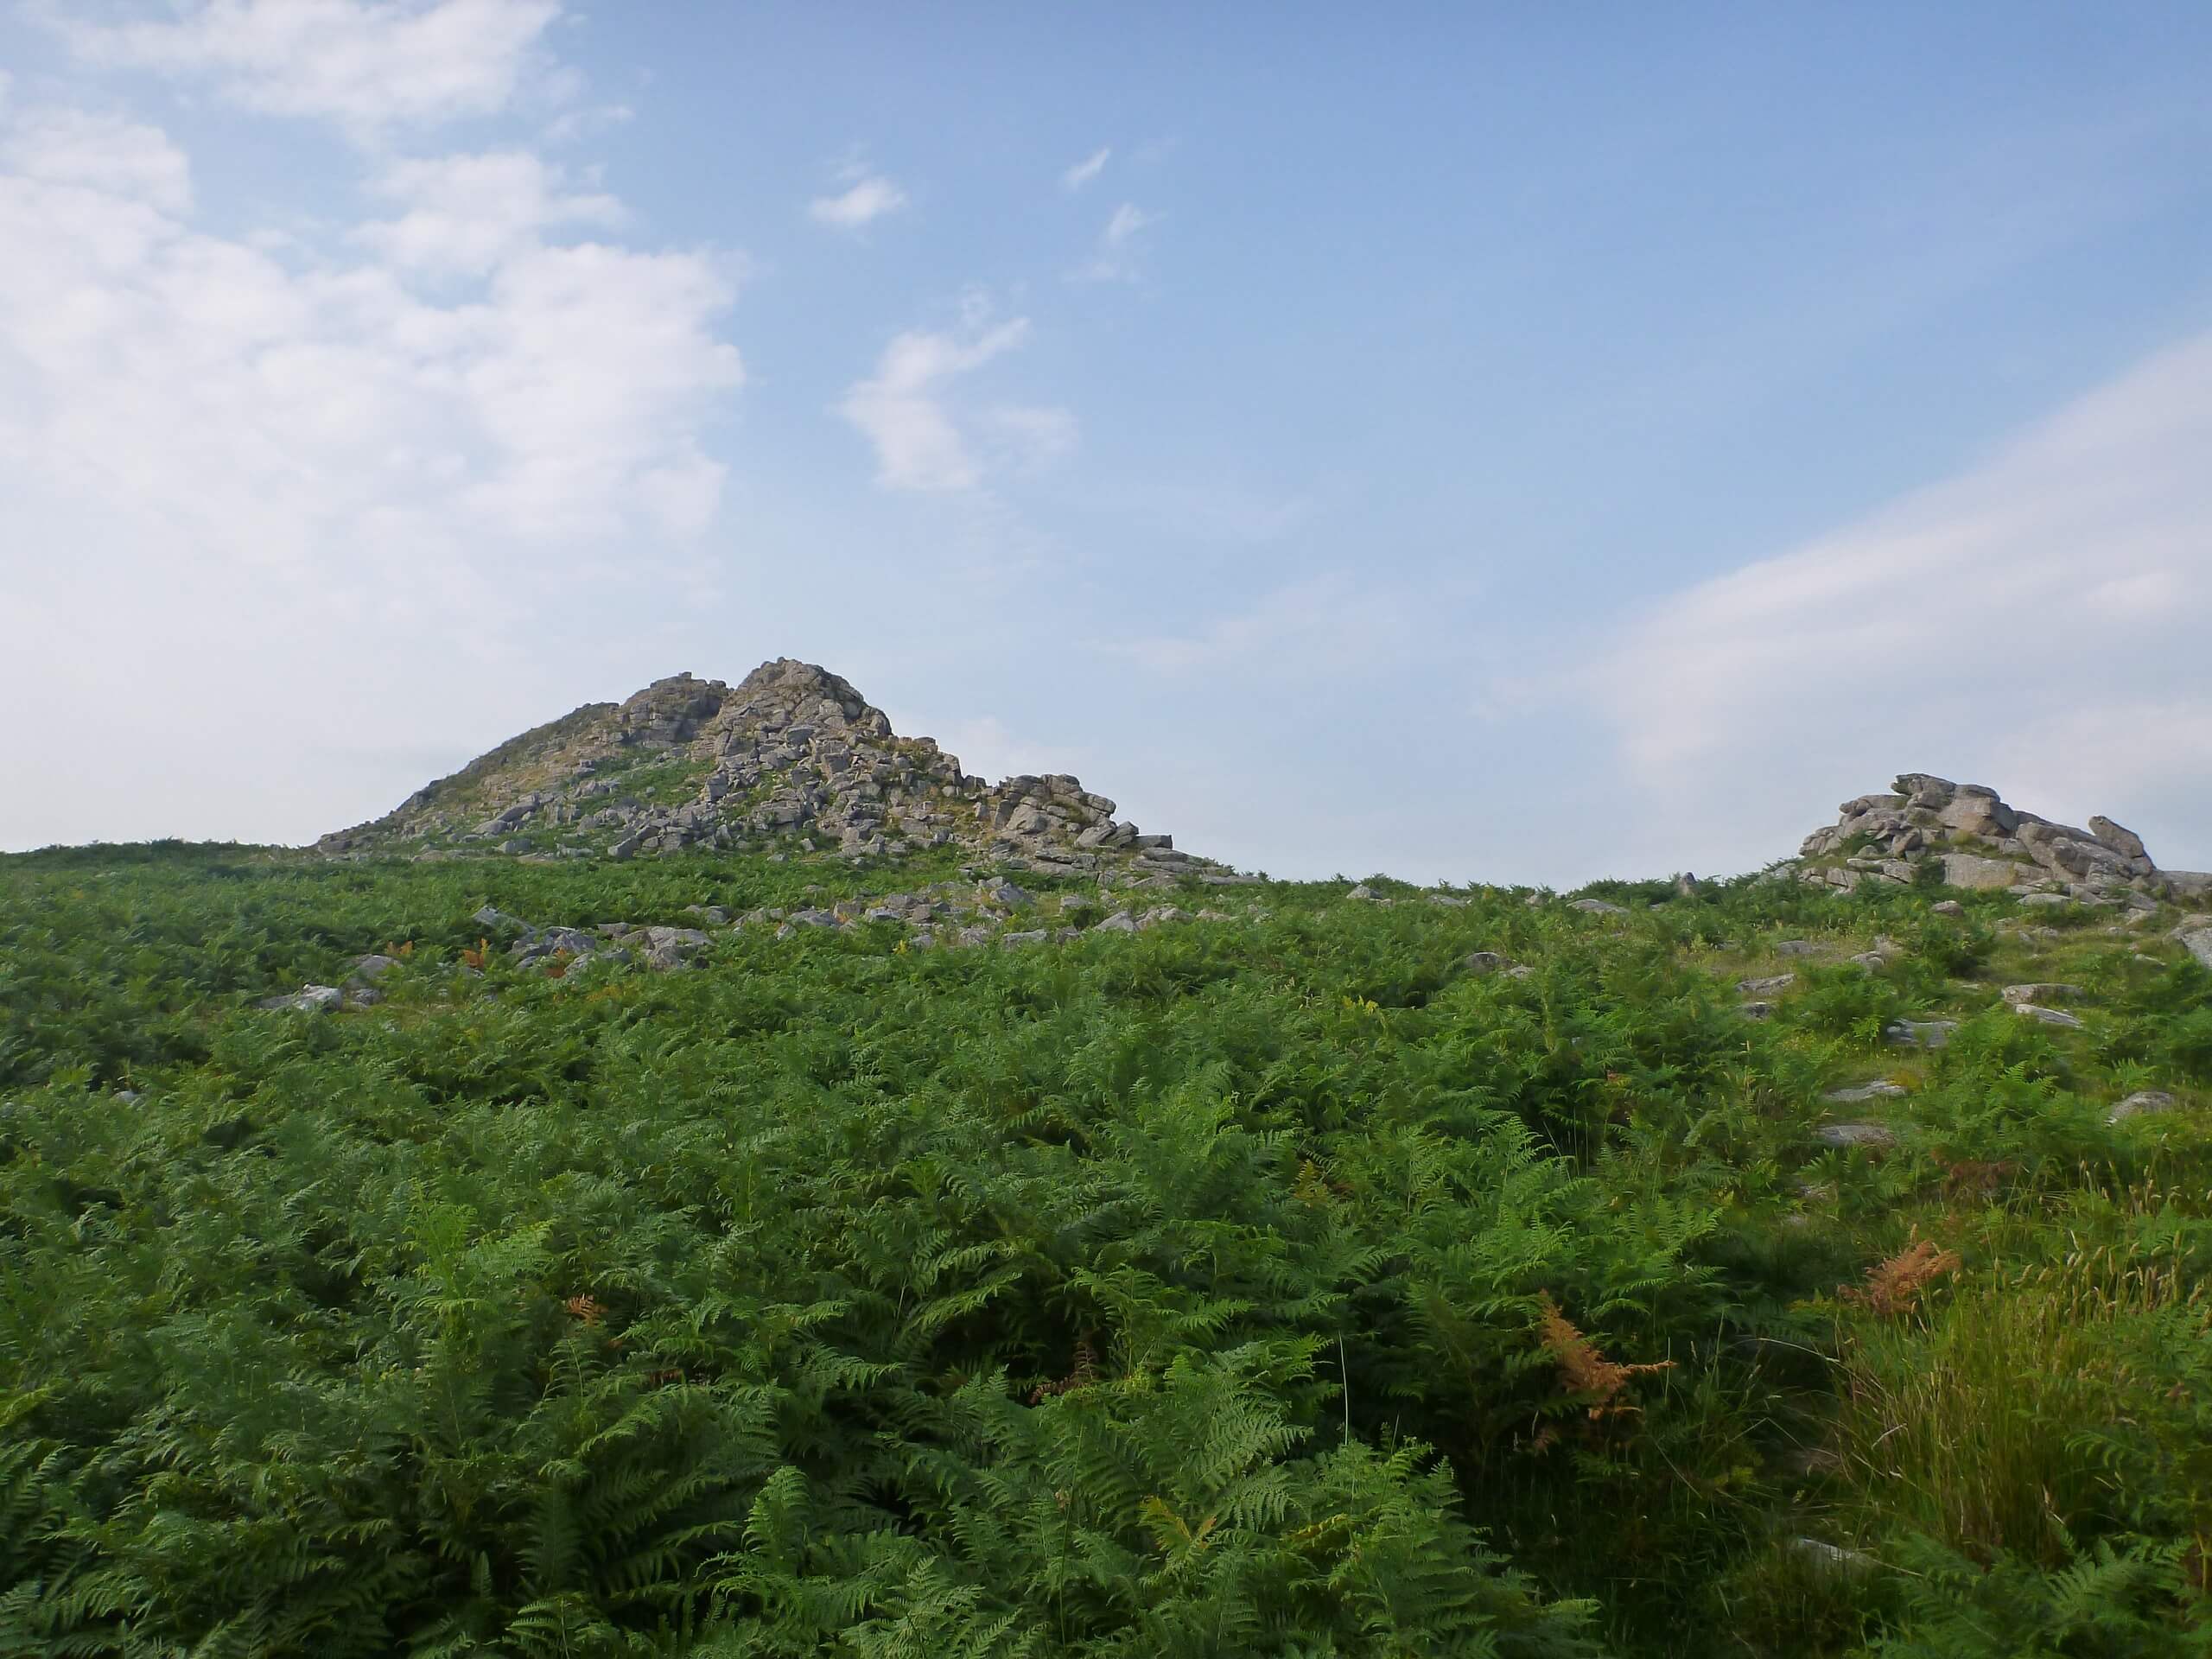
<point x="1982" y="842"/>
<point x="790" y="755"/>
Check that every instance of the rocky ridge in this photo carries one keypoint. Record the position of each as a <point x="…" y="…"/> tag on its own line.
<point x="1980" y="843"/>
<point x="792" y="758"/>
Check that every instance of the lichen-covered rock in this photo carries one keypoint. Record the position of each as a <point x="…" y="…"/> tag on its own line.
<point x="1979" y="843"/>
<point x="791" y="756"/>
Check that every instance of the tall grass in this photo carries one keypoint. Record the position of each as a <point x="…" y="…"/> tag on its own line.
<point x="2006" y="1416"/>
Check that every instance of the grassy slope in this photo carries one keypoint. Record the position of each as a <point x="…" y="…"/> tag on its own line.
<point x="1193" y="1292"/>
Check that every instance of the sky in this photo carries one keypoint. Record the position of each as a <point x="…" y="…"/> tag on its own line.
<point x="1470" y="444"/>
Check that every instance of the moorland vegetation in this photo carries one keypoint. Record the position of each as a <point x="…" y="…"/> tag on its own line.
<point x="1431" y="1273"/>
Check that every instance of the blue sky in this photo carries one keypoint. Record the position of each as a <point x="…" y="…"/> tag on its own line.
<point x="1475" y="443"/>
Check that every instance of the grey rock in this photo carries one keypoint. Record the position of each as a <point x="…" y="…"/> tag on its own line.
<point x="1768" y="986"/>
<point x="1843" y="1136"/>
<point x="310" y="999"/>
<point x="1756" y="1010"/>
<point x="1159" y="916"/>
<point x="1947" y="907"/>
<point x="2196" y="938"/>
<point x="370" y="969"/>
<point x="1003" y="894"/>
<point x="1485" y="962"/>
<point x="2048" y="1016"/>
<point x="1799" y="948"/>
<point x="2142" y="1103"/>
<point x="1920" y="1033"/>
<point x="1361" y="894"/>
<point x="1595" y="907"/>
<point x="2041" y="993"/>
<point x="1033" y="935"/>
<point x="498" y="920"/>
<point x="1968" y="870"/>
<point x="1834" y="1558"/>
<point x="1880" y="1088"/>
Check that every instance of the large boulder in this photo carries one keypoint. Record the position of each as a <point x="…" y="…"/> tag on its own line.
<point x="1970" y="870"/>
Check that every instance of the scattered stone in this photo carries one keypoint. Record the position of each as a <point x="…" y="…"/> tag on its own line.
<point x="1766" y="986"/>
<point x="1880" y="1088"/>
<point x="1159" y="916"/>
<point x="1799" y="948"/>
<point x="1034" y="935"/>
<point x="1756" y="1010"/>
<point x="1003" y="894"/>
<point x="1486" y="962"/>
<point x="2196" y="937"/>
<point x="1844" y="1136"/>
<point x="1834" y="1558"/>
<point x="2041" y="993"/>
<point x="308" y="999"/>
<point x="1120" y="922"/>
<point x="2142" y="1103"/>
<point x="370" y="969"/>
<point x="129" y="1097"/>
<point x="1920" y="1033"/>
<point x="1947" y="907"/>
<point x="1596" y="907"/>
<point x="2048" y="1016"/>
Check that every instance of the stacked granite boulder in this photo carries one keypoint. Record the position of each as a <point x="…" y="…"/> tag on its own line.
<point x="793" y="756"/>
<point x="1982" y="842"/>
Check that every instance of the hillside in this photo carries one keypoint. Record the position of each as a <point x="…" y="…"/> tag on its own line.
<point x="976" y="1233"/>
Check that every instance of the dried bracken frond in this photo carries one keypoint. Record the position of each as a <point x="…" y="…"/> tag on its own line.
<point x="1583" y="1369"/>
<point x="1893" y="1286"/>
<point x="1080" y="1375"/>
<point x="585" y="1310"/>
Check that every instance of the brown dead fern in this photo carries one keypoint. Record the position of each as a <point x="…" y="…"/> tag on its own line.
<point x="1581" y="1367"/>
<point x="1893" y="1285"/>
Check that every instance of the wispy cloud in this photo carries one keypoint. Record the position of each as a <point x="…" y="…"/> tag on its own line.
<point x="369" y="66"/>
<point x="1322" y="623"/>
<point x="868" y="200"/>
<point x="903" y="411"/>
<point x="1086" y="170"/>
<point x="2038" y="623"/>
<point x="1114" y="258"/>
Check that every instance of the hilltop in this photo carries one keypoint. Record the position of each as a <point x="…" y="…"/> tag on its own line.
<point x="792" y="758"/>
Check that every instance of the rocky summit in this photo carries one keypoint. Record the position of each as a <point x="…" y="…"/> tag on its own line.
<point x="792" y="757"/>
<point x="1979" y="842"/>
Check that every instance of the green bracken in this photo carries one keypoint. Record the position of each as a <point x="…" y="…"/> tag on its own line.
<point x="1279" y="1284"/>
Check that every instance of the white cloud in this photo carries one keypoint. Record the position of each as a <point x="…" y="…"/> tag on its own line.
<point x="466" y="214"/>
<point x="102" y="153"/>
<point x="901" y="408"/>
<point x="1086" y="170"/>
<point x="868" y="200"/>
<point x="1114" y="258"/>
<point x="369" y="65"/>
<point x="2040" y="624"/>
<point x="273" y="500"/>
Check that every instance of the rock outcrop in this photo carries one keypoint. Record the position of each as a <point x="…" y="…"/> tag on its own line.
<point x="1979" y="842"/>
<point x="792" y="756"/>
